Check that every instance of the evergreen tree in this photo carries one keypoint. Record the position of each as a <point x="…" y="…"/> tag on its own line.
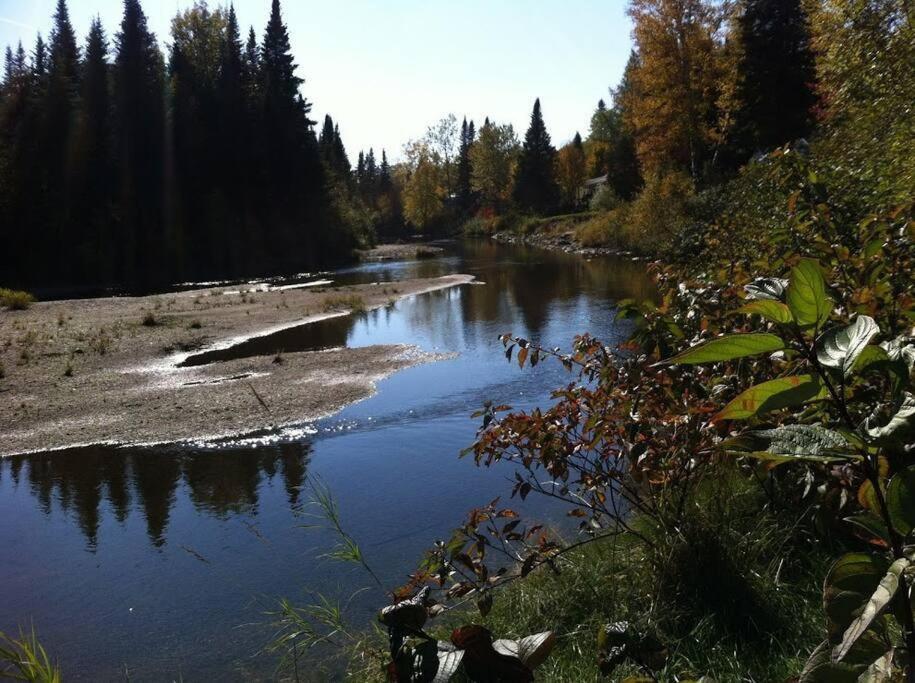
<point x="340" y="158"/>
<point x="370" y="177"/>
<point x="777" y="73"/>
<point x="139" y="127"/>
<point x="535" y="180"/>
<point x="63" y="64"/>
<point x="40" y="63"/>
<point x="234" y="136"/>
<point x="251" y="62"/>
<point x="384" y="173"/>
<point x="326" y="141"/>
<point x="296" y="194"/>
<point x="60" y="114"/>
<point x="360" y="170"/>
<point x="93" y="172"/>
<point x="464" y="172"/>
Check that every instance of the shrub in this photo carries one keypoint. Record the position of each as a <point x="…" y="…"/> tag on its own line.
<point x="476" y="227"/>
<point x="150" y="320"/>
<point x="604" y="199"/>
<point x="15" y="300"/>
<point x="659" y="213"/>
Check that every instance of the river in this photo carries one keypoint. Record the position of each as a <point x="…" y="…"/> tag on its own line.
<point x="162" y="563"/>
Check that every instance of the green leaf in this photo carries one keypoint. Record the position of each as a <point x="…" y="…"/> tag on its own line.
<point x="870" y="528"/>
<point x="784" y="392"/>
<point x="769" y="309"/>
<point x="793" y="442"/>
<point x="875" y="605"/>
<point x="806" y="295"/>
<point x="839" y="348"/>
<point x="728" y="348"/>
<point x="871" y="356"/>
<point x="900" y="500"/>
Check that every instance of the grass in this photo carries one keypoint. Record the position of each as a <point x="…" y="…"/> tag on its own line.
<point x="150" y="320"/>
<point x="101" y="342"/>
<point x="734" y="594"/>
<point x="352" y="302"/>
<point x="15" y="300"/>
<point x="25" y="659"/>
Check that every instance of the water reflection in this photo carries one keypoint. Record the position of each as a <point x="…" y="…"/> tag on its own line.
<point x="222" y="482"/>
<point x="182" y="539"/>
<point x="531" y="281"/>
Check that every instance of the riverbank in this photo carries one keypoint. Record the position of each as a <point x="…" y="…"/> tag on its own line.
<point x="105" y="370"/>
<point x="568" y="234"/>
<point x="399" y="252"/>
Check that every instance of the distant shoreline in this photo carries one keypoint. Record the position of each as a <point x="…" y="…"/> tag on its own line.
<point x="89" y="371"/>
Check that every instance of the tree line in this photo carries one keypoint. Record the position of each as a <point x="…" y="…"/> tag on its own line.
<point x="121" y="165"/>
<point x="708" y="85"/>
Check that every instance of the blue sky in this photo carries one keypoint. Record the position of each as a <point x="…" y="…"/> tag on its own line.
<point x="386" y="70"/>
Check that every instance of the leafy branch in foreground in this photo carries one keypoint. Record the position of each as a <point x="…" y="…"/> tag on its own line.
<point x="812" y="380"/>
<point x="857" y="411"/>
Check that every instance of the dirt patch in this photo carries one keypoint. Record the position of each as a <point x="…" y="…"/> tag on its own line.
<point x="105" y="370"/>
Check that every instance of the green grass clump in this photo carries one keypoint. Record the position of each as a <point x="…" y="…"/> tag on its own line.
<point x="15" y="300"/>
<point x="25" y="659"/>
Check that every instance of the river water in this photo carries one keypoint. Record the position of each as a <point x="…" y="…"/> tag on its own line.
<point x="163" y="563"/>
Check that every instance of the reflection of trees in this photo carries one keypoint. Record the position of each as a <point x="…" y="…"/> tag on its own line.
<point x="219" y="482"/>
<point x="534" y="279"/>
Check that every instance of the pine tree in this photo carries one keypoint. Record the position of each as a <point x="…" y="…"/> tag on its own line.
<point x="535" y="180"/>
<point x="60" y="113"/>
<point x="384" y="173"/>
<point x="139" y="127"/>
<point x="63" y="55"/>
<point x="232" y="145"/>
<point x="777" y="74"/>
<point x="340" y="158"/>
<point x="370" y="177"/>
<point x="464" y="186"/>
<point x="297" y="193"/>
<point x="360" y="171"/>
<point x="251" y="62"/>
<point x="326" y="141"/>
<point x="93" y="175"/>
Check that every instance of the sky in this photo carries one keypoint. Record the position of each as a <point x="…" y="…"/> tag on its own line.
<point x="386" y="70"/>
